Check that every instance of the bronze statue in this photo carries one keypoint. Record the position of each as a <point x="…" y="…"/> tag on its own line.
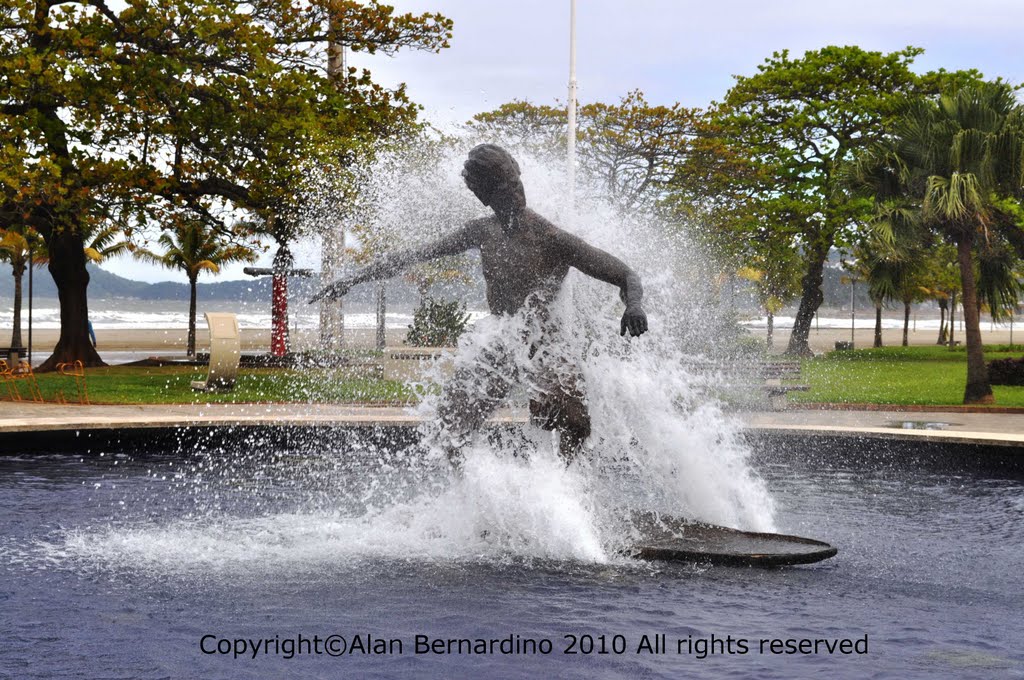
<point x="525" y="259"/>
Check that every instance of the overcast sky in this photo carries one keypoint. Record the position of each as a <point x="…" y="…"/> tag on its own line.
<point x="675" y="51"/>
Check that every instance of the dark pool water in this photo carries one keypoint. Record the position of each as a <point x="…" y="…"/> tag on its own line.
<point x="929" y="570"/>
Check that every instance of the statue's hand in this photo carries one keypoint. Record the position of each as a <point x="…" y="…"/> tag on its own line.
<point x="634" y="321"/>
<point x="333" y="291"/>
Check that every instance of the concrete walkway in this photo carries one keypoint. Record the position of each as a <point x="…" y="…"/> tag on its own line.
<point x="950" y="427"/>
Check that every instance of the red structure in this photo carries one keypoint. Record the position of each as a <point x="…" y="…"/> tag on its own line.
<point x="279" y="344"/>
<point x="282" y="269"/>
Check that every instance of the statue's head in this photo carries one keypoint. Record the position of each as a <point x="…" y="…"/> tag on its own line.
<point x="493" y="176"/>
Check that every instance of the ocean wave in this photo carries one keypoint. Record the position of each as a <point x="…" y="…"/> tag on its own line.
<point x="167" y="319"/>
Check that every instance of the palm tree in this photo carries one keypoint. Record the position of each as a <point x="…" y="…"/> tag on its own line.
<point x="193" y="247"/>
<point x="105" y="242"/>
<point x="961" y="157"/>
<point x="882" y="272"/>
<point x="775" y="284"/>
<point x="940" y="282"/>
<point x="15" y="245"/>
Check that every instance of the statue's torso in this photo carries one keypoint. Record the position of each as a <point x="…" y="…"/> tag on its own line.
<point x="516" y="266"/>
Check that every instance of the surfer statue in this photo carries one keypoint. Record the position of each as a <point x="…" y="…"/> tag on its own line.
<point x="525" y="259"/>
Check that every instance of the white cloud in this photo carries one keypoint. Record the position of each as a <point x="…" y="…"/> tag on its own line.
<point x="672" y="50"/>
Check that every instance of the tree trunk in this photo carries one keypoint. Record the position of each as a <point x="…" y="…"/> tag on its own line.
<point x="952" y="319"/>
<point x="19" y="272"/>
<point x="771" y="330"/>
<point x="67" y="266"/>
<point x="382" y="308"/>
<point x="906" y="323"/>
<point x="190" y="347"/>
<point x="810" y="299"/>
<point x="978" y="390"/>
<point x="942" y="323"/>
<point x="878" y="325"/>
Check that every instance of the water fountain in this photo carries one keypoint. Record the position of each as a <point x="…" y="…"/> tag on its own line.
<point x="238" y="552"/>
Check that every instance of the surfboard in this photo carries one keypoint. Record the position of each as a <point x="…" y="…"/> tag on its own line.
<point x="674" y="539"/>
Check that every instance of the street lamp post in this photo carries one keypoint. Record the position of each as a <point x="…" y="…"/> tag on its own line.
<point x="30" y="305"/>
<point x="332" y="313"/>
<point x="571" y="112"/>
<point x="852" y="280"/>
<point x="853" y="310"/>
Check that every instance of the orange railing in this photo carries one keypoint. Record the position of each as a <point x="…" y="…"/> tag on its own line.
<point x="74" y="370"/>
<point x="21" y="374"/>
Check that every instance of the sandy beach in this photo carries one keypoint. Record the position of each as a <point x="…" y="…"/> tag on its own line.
<point x="824" y="340"/>
<point x="172" y="341"/>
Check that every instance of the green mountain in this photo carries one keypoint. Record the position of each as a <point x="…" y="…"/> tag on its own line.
<point x="104" y="285"/>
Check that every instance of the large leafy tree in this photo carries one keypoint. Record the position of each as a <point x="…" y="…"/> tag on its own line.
<point x="961" y="156"/>
<point x="630" y="150"/>
<point x="20" y="245"/>
<point x="798" y="120"/>
<point x="539" y="129"/>
<point x="193" y="247"/>
<point x="635" y="147"/>
<point x="718" y="190"/>
<point x="127" y="115"/>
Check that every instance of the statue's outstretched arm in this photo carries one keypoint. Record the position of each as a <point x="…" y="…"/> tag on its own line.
<point x="393" y="263"/>
<point x="606" y="267"/>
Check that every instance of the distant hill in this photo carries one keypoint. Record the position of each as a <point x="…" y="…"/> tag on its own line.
<point x="107" y="285"/>
<point x="104" y="285"/>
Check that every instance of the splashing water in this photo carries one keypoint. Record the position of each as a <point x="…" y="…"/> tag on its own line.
<point x="660" y="438"/>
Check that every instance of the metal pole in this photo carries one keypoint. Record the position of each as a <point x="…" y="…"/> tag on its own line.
<point x="952" y="321"/>
<point x="332" y="313"/>
<point x="382" y="302"/>
<point x="571" y="137"/>
<point x="853" y="318"/>
<point x="30" y="306"/>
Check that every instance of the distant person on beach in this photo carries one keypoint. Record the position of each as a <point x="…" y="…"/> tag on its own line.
<point x="92" y="333"/>
<point x="525" y="259"/>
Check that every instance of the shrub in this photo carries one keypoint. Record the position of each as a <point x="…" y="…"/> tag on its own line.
<point x="437" y="324"/>
<point x="1006" y="371"/>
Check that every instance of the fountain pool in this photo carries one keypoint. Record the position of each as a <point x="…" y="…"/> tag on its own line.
<point x="149" y="565"/>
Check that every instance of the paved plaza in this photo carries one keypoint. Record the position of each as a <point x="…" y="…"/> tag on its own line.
<point x="951" y="426"/>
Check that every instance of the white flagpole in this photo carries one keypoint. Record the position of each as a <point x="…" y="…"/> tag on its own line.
<point x="571" y="138"/>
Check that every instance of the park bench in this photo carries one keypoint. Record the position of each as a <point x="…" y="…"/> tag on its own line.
<point x="774" y="371"/>
<point x="225" y="353"/>
<point x="410" y="364"/>
<point x="764" y="377"/>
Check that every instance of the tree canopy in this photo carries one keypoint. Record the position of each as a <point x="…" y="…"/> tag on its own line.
<point x="631" y="149"/>
<point x="132" y="115"/>
<point x="798" y="120"/>
<point x="959" y="157"/>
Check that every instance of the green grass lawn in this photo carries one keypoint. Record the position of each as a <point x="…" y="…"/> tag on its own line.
<point x="899" y="375"/>
<point x="172" y="385"/>
<point x="890" y="375"/>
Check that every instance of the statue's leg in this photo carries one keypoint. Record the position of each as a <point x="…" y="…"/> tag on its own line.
<point x="472" y="394"/>
<point x="560" y="405"/>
